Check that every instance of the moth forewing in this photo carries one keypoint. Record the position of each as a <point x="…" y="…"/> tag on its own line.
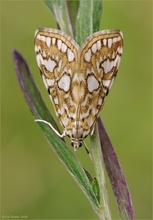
<point x="78" y="78"/>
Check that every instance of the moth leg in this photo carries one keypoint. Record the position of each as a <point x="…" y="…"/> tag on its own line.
<point x="47" y="123"/>
<point x="87" y="150"/>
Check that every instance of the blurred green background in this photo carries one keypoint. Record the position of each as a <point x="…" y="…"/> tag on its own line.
<point x="34" y="183"/>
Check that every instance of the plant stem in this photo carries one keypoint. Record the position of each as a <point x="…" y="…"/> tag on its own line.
<point x="100" y="175"/>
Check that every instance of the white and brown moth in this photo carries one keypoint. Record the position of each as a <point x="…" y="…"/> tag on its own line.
<point x="78" y="79"/>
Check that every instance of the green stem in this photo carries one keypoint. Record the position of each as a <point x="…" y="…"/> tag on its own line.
<point x="100" y="175"/>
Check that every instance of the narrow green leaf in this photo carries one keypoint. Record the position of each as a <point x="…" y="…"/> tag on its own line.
<point x="97" y="13"/>
<point x="88" y="19"/>
<point x="39" y="110"/>
<point x="96" y="189"/>
<point x="50" y="6"/>
<point x="72" y="164"/>
<point x="60" y="10"/>
<point x="73" y="11"/>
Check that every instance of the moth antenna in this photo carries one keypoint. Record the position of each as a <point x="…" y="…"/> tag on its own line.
<point x="47" y="123"/>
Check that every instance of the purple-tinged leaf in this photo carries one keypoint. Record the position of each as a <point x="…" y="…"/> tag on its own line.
<point x="116" y="175"/>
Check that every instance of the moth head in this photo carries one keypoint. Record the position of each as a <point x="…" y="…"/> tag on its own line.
<point x="76" y="143"/>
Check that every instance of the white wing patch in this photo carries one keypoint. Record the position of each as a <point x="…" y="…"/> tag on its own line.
<point x="92" y="83"/>
<point x="64" y="83"/>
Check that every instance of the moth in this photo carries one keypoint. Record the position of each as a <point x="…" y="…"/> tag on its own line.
<point x="78" y="78"/>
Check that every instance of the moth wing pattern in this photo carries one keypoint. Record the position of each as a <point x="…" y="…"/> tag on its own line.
<point x="57" y="58"/>
<point x="78" y="79"/>
<point x="100" y="58"/>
